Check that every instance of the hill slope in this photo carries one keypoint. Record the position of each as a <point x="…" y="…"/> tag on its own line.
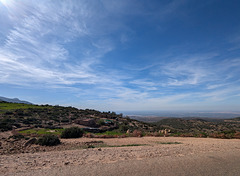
<point x="17" y="115"/>
<point x="13" y="100"/>
<point x="195" y="126"/>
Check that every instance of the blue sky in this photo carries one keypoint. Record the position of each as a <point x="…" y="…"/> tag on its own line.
<point x="123" y="54"/>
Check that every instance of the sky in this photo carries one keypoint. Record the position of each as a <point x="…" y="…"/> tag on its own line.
<point x="122" y="55"/>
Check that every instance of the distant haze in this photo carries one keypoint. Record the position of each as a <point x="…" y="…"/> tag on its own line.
<point x="153" y="114"/>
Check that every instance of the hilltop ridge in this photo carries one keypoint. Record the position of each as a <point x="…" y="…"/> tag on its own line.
<point x="13" y="100"/>
<point x="19" y="115"/>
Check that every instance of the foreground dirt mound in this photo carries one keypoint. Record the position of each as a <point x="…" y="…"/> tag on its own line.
<point x="16" y="146"/>
<point x="133" y="151"/>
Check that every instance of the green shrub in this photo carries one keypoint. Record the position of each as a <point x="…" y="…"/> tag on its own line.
<point x="73" y="132"/>
<point x="101" y="122"/>
<point x="123" y="128"/>
<point x="5" y="126"/>
<point x="202" y="134"/>
<point x="17" y="136"/>
<point x="48" y="140"/>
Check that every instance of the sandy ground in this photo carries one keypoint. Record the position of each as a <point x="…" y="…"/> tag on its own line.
<point x="193" y="156"/>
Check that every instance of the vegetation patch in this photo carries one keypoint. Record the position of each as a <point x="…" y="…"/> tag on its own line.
<point x="42" y="131"/>
<point x="16" y="136"/>
<point x="128" y="145"/>
<point x="12" y="106"/>
<point x="73" y="132"/>
<point x="168" y="142"/>
<point x="110" y="133"/>
<point x="104" y="145"/>
<point x="48" y="140"/>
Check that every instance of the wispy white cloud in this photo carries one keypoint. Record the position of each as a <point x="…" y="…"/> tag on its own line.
<point x="234" y="40"/>
<point x="35" y="47"/>
<point x="67" y="45"/>
<point x="36" y="50"/>
<point x="183" y="71"/>
<point x="221" y="94"/>
<point x="214" y="86"/>
<point x="145" y="84"/>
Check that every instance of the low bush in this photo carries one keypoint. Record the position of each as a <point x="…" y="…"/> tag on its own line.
<point x="157" y="134"/>
<point x="48" y="140"/>
<point x="123" y="128"/>
<point x="237" y="135"/>
<point x="223" y="135"/>
<point x="103" y="135"/>
<point x="89" y="135"/>
<point x="202" y="135"/>
<point x="137" y="133"/>
<point x="17" y="136"/>
<point x="73" y="132"/>
<point x="187" y="135"/>
<point x="101" y="122"/>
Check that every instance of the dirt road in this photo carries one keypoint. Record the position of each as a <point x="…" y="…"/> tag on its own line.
<point x="161" y="156"/>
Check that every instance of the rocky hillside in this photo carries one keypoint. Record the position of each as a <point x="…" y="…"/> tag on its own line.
<point x="17" y="115"/>
<point x="196" y="126"/>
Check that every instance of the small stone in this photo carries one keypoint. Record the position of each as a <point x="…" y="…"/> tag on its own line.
<point x="66" y="163"/>
<point x="99" y="149"/>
